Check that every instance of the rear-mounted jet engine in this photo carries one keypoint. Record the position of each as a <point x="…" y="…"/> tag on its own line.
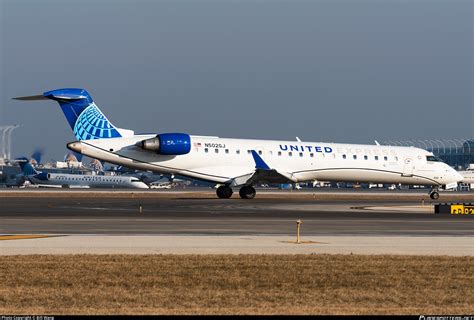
<point x="167" y="144"/>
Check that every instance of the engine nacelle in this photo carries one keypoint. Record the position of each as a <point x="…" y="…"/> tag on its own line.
<point x="168" y="143"/>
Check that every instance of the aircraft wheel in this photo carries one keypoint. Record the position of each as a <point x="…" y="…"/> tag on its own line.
<point x="434" y="195"/>
<point x="224" y="192"/>
<point x="247" y="192"/>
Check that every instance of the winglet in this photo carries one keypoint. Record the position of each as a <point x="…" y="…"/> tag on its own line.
<point x="259" y="163"/>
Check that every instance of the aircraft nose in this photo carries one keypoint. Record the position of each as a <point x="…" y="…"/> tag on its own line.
<point x="454" y="176"/>
<point x="458" y="176"/>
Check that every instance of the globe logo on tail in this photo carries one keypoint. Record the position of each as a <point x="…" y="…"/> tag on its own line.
<point x="92" y="124"/>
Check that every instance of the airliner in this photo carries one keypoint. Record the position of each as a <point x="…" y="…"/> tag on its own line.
<point x="242" y="163"/>
<point x="61" y="180"/>
<point x="468" y="176"/>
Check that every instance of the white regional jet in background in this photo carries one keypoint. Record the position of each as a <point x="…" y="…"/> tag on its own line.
<point x="468" y="176"/>
<point x="241" y="163"/>
<point x="64" y="180"/>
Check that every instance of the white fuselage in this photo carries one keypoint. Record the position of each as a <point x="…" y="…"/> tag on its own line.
<point x="59" y="180"/>
<point x="224" y="160"/>
<point x="468" y="176"/>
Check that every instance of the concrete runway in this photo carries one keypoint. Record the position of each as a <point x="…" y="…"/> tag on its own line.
<point x="94" y="213"/>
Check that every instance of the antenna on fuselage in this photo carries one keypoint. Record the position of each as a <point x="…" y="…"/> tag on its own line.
<point x="298" y="139"/>
<point x="377" y="143"/>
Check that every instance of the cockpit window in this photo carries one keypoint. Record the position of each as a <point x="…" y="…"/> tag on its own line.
<point x="433" y="159"/>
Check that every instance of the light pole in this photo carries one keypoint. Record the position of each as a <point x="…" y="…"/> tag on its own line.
<point x="2" y="142"/>
<point x="6" y="142"/>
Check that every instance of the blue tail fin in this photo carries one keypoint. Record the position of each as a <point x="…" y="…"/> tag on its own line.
<point x="26" y="167"/>
<point x="84" y="117"/>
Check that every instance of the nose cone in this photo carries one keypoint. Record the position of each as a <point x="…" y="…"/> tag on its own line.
<point x="458" y="176"/>
<point x="452" y="176"/>
<point x="75" y="146"/>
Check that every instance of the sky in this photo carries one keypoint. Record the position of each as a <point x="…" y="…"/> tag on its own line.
<point x="335" y="71"/>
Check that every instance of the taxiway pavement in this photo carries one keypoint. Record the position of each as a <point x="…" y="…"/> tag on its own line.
<point x="187" y="222"/>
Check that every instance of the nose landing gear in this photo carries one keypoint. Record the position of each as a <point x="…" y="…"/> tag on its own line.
<point x="434" y="194"/>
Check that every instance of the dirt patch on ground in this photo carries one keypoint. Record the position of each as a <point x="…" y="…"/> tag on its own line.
<point x="236" y="284"/>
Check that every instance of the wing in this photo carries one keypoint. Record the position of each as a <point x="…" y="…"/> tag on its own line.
<point x="263" y="174"/>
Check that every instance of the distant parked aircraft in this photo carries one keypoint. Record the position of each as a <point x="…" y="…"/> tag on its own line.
<point x="62" y="180"/>
<point x="468" y="176"/>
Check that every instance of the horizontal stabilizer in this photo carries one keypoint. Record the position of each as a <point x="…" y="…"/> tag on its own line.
<point x="38" y="97"/>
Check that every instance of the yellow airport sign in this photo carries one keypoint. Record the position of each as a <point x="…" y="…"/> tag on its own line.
<point x="462" y="209"/>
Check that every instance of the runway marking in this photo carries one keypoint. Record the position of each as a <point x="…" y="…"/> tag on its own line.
<point x="23" y="236"/>
<point x="98" y="208"/>
<point x="303" y="242"/>
<point x="225" y="220"/>
<point x="399" y="208"/>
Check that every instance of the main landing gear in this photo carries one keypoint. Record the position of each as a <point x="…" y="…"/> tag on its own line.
<point x="246" y="192"/>
<point x="434" y="194"/>
<point x="224" y="192"/>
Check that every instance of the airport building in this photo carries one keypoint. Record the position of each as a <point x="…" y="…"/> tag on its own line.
<point x="458" y="153"/>
<point x="9" y="175"/>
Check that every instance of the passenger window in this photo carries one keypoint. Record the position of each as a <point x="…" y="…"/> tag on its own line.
<point x="248" y="151"/>
<point x="376" y="157"/>
<point x="260" y="152"/>
<point x="206" y="150"/>
<point x="354" y="157"/>
<point x="366" y="158"/>
<point x="301" y="154"/>
<point x="385" y="158"/>
<point x="279" y="153"/>
<point x="226" y="150"/>
<point x="290" y="153"/>
<point x="344" y="156"/>
<point x="237" y="151"/>
<point x="311" y="155"/>
<point x="217" y="150"/>
<point x="270" y="152"/>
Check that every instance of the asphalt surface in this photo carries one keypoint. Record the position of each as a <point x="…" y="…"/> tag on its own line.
<point x="208" y="216"/>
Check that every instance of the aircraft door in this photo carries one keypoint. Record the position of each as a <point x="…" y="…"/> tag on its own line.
<point x="408" y="167"/>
